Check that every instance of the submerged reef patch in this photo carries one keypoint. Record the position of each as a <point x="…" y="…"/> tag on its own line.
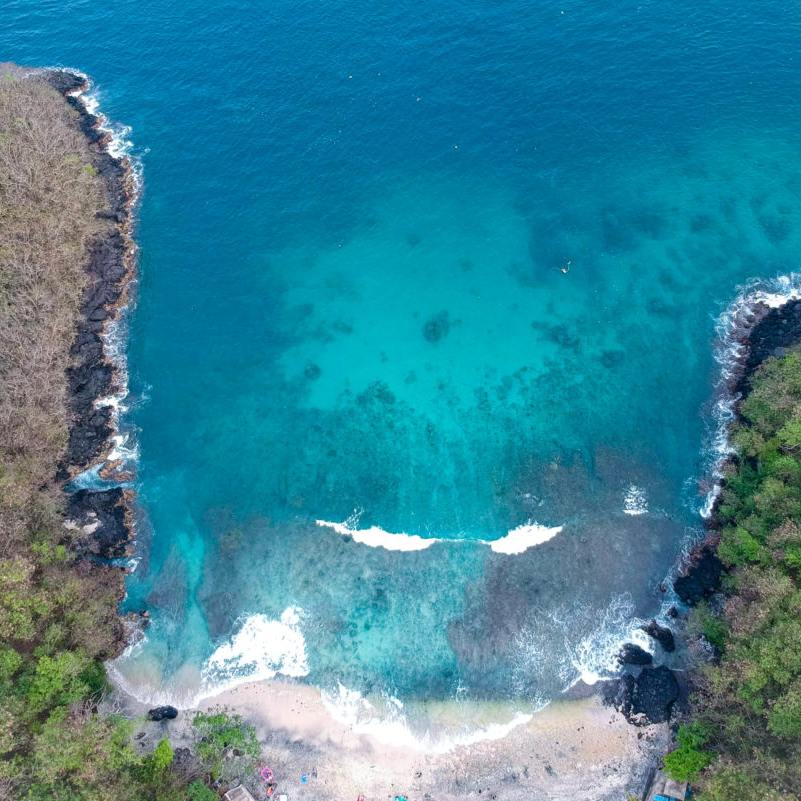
<point x="437" y="327"/>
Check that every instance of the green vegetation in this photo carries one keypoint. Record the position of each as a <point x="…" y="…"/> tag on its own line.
<point x="197" y="791"/>
<point x="58" y="612"/>
<point x="162" y="757"/>
<point x="689" y="759"/>
<point x="219" y="735"/>
<point x="745" y="741"/>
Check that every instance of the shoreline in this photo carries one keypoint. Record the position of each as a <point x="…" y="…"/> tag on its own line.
<point x="737" y="744"/>
<point x="97" y="378"/>
<point x="573" y="748"/>
<point x="737" y="326"/>
<point x="763" y="320"/>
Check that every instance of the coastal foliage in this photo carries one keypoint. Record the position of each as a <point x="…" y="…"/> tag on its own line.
<point x="690" y="758"/>
<point x="219" y="736"/>
<point x="58" y="610"/>
<point x="745" y="741"/>
<point x="197" y="791"/>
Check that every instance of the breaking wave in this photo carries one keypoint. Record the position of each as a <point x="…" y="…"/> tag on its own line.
<point x="515" y="541"/>
<point x="576" y="643"/>
<point x="386" y="721"/>
<point x="376" y="537"/>
<point x="522" y="538"/>
<point x="261" y="649"/>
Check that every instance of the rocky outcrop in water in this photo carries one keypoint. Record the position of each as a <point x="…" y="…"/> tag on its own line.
<point x="648" y="698"/>
<point x="662" y="634"/>
<point x="776" y="331"/>
<point x="701" y="576"/>
<point x="98" y="523"/>
<point x="631" y="654"/>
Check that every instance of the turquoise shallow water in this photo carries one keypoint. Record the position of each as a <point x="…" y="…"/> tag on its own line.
<point x="352" y="307"/>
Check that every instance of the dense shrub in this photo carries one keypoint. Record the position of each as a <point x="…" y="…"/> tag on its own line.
<point x="745" y="741"/>
<point x="687" y="761"/>
<point x="220" y="735"/>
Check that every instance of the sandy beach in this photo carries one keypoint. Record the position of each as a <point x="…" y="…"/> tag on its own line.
<point x="573" y="749"/>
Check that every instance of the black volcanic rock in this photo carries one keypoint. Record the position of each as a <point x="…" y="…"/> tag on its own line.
<point x="108" y="268"/>
<point x="702" y="577"/>
<point x="647" y="699"/>
<point x="662" y="634"/>
<point x="97" y="520"/>
<point x="92" y="376"/>
<point x="619" y="693"/>
<point x="162" y="713"/>
<point x="631" y="654"/>
<point x="778" y="330"/>
<point x="64" y="81"/>
<point x="655" y="692"/>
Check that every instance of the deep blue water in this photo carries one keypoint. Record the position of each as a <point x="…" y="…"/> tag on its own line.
<point x="352" y="227"/>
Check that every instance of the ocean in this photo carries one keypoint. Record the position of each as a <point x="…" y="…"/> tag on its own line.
<point x="421" y="363"/>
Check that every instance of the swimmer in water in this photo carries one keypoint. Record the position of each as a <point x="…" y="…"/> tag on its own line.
<point x="565" y="268"/>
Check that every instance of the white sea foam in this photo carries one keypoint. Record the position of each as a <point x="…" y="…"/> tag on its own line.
<point x="124" y="448"/>
<point x="516" y="541"/>
<point x="556" y="648"/>
<point x="261" y="649"/>
<point x="635" y="501"/>
<point x="120" y="145"/>
<point x="594" y="656"/>
<point x="376" y="537"/>
<point x="389" y="724"/>
<point x="522" y="538"/>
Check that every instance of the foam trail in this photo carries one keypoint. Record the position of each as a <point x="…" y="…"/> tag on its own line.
<point x="376" y="537"/>
<point x="352" y="709"/>
<point x="515" y="541"/>
<point x="261" y="649"/>
<point x="635" y="501"/>
<point x="522" y="538"/>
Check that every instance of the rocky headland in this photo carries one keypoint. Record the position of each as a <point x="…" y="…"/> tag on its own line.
<point x="102" y="519"/>
<point x="645" y="693"/>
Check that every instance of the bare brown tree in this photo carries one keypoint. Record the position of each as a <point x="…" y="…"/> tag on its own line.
<point x="49" y="199"/>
